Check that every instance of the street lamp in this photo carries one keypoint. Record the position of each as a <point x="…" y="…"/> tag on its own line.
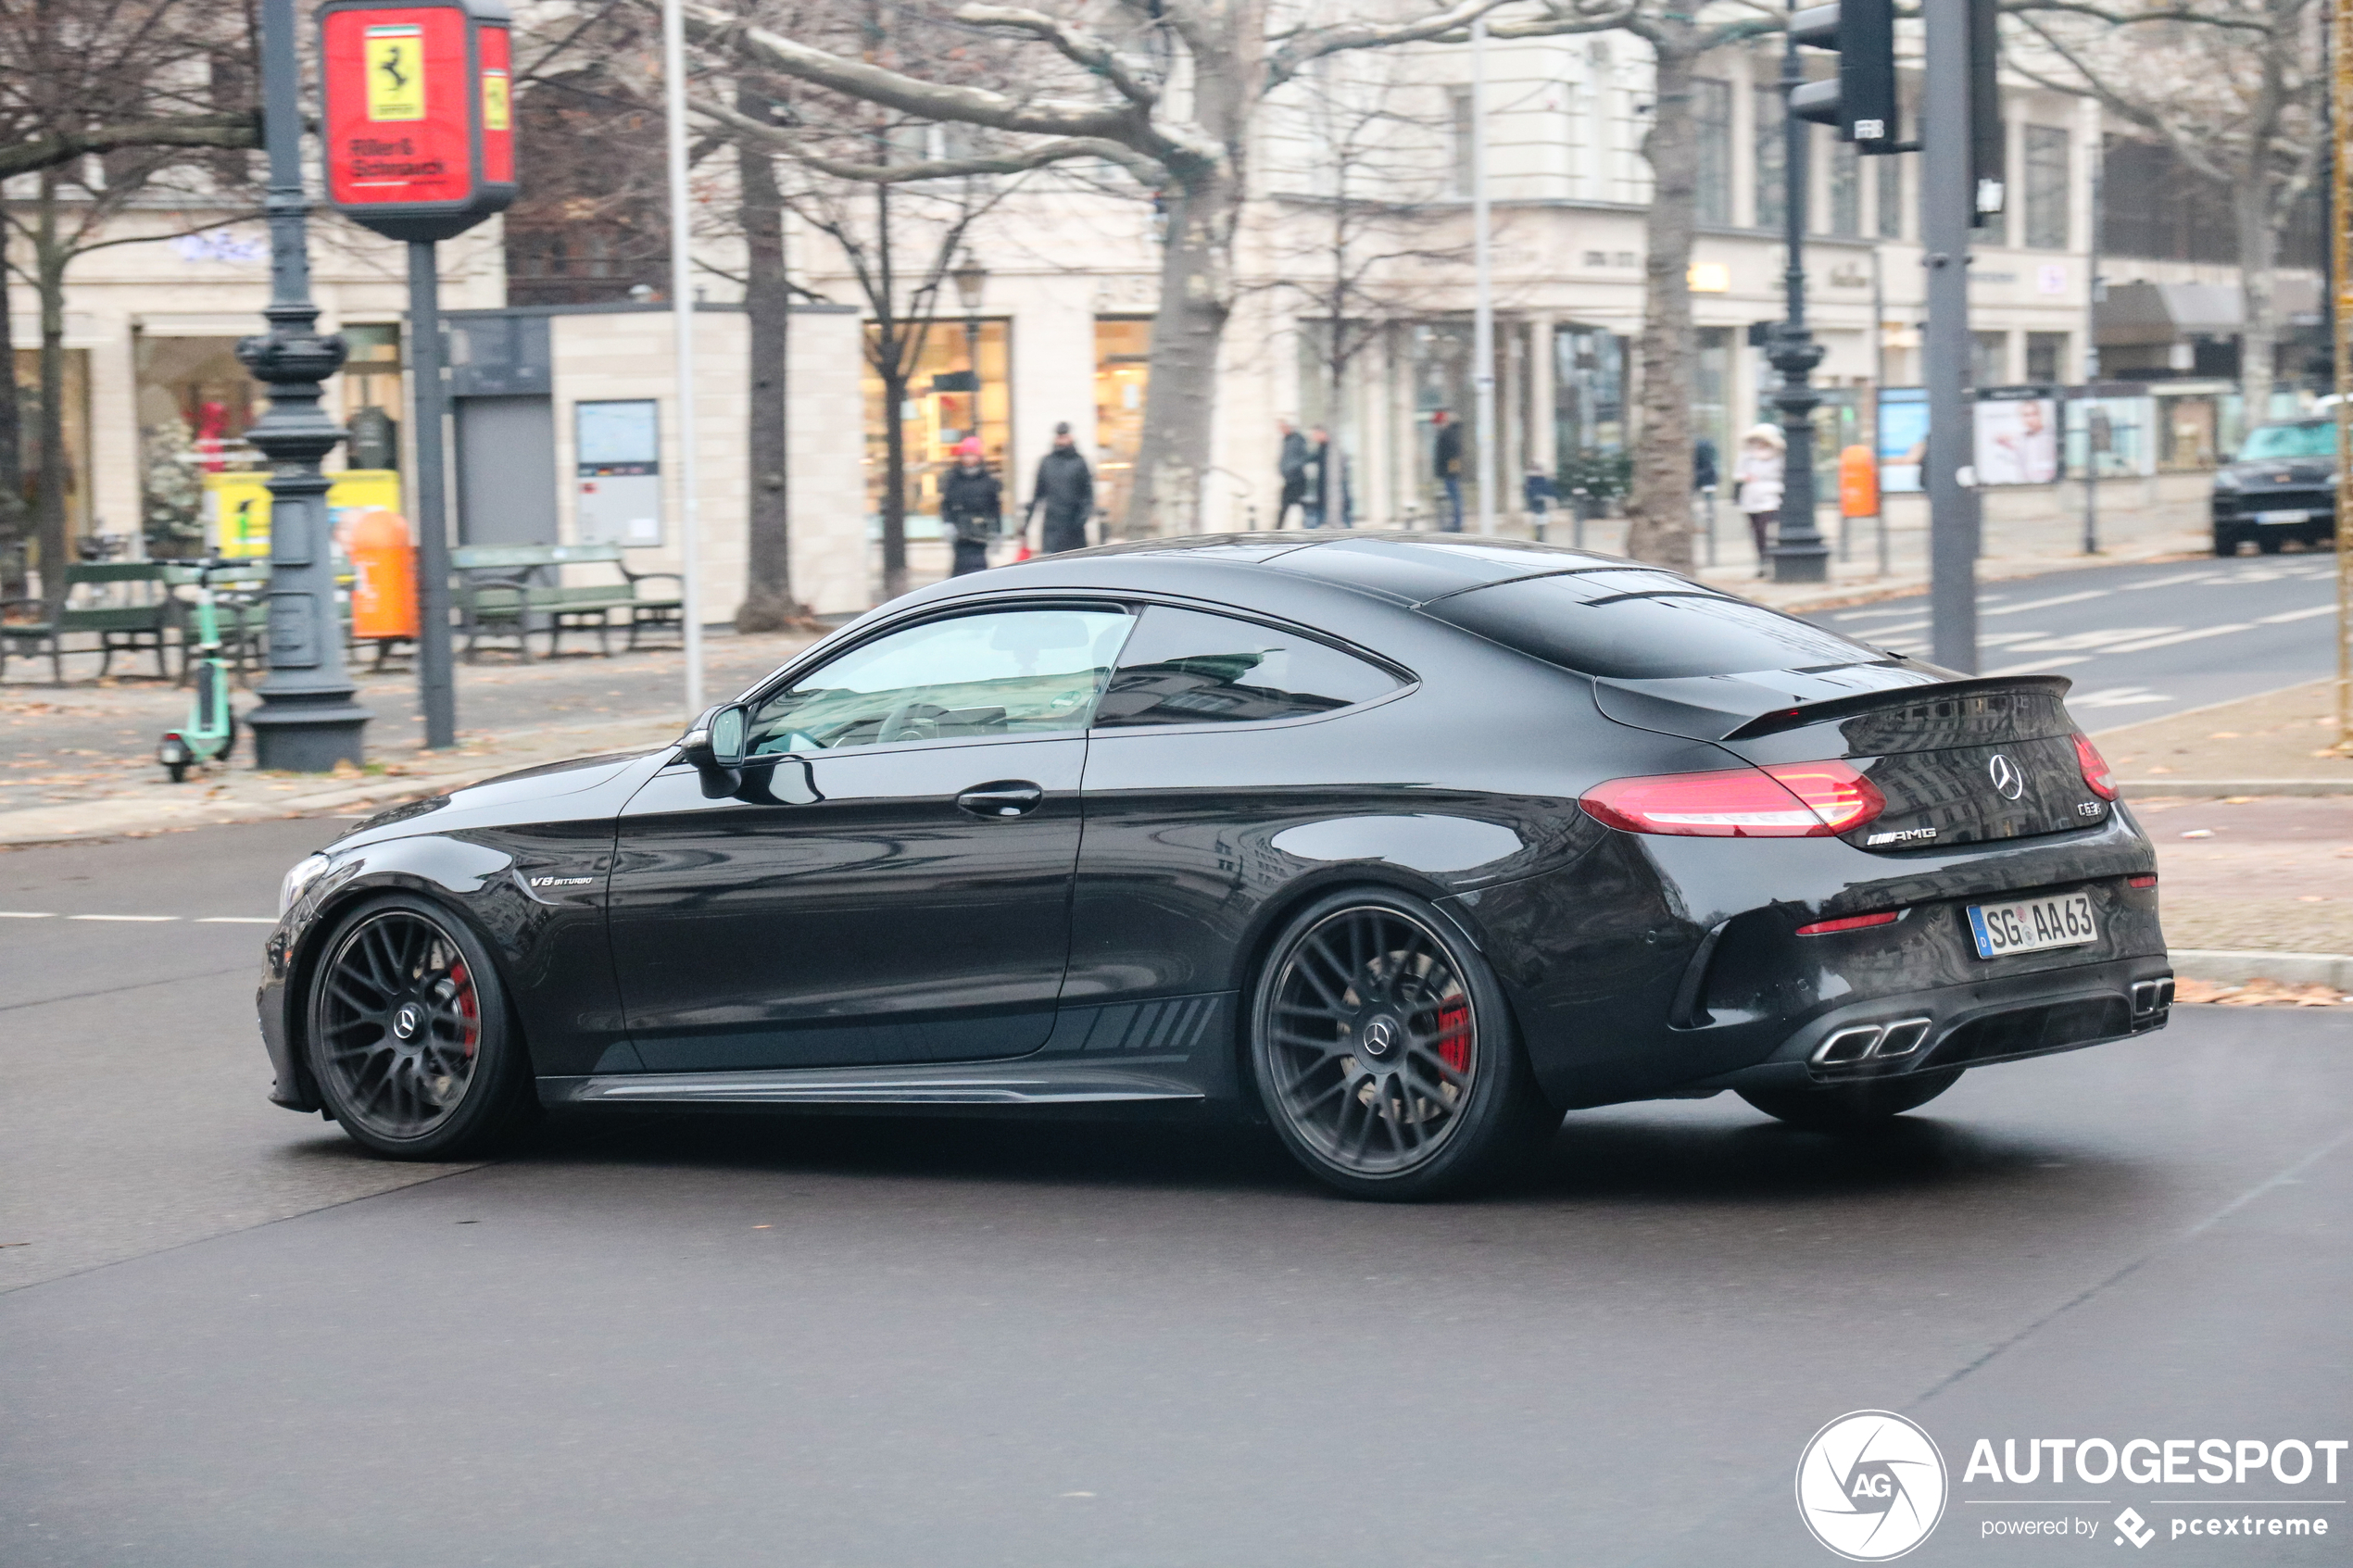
<point x="1799" y="553"/>
<point x="307" y="721"/>
<point x="972" y="280"/>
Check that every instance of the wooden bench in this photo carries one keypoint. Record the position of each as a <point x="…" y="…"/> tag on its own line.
<point x="503" y="587"/>
<point x="112" y="604"/>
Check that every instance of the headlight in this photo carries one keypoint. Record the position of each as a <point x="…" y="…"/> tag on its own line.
<point x="305" y="871"/>
<point x="2225" y="480"/>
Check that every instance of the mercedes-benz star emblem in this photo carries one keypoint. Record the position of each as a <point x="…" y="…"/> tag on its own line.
<point x="404" y="1023"/>
<point x="1380" y="1035"/>
<point x="2008" y="783"/>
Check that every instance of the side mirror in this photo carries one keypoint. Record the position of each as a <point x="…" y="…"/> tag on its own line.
<point x="729" y="727"/>
<point x="714" y="744"/>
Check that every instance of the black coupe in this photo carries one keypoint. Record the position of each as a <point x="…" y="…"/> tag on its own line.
<point x="1402" y="843"/>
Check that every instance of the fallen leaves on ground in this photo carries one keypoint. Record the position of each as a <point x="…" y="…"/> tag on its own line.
<point x="2260" y="993"/>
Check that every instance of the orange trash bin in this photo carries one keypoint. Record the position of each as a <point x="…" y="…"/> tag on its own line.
<point x="1857" y="482"/>
<point x="383" y="596"/>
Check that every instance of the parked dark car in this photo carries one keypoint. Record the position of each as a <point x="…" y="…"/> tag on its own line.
<point x="2280" y="487"/>
<point x="1403" y="844"/>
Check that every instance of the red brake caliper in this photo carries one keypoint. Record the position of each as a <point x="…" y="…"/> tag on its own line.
<point x="1453" y="1035"/>
<point x="467" y="1007"/>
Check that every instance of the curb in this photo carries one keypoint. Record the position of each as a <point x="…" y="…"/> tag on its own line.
<point x="2237" y="966"/>
<point x="2202" y="789"/>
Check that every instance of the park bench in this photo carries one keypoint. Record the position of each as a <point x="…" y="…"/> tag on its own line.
<point x="503" y="588"/>
<point x="127" y="604"/>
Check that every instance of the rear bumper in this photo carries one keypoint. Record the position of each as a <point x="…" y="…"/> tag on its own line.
<point x="2008" y="1018"/>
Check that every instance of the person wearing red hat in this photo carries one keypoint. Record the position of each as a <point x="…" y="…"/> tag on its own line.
<point x="972" y="503"/>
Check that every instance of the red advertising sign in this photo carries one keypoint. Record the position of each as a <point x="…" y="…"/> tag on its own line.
<point x="419" y="125"/>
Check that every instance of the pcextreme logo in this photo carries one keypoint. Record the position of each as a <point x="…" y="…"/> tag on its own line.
<point x="1870" y="1486"/>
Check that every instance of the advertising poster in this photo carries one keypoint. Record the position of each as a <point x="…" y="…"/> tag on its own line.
<point x="1903" y="438"/>
<point x="2018" y="432"/>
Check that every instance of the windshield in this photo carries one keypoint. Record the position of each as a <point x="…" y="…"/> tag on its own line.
<point x="2311" y="438"/>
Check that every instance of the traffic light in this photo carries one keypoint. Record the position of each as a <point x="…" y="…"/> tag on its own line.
<point x="1861" y="100"/>
<point x="1989" y="179"/>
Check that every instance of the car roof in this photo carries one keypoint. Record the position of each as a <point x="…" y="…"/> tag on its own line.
<point x="1401" y="568"/>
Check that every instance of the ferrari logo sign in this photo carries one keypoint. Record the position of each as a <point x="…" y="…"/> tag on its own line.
<point x="494" y="100"/>
<point x="395" y="72"/>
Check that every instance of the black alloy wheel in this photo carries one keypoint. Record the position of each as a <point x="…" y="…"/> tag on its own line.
<point x="1853" y="1108"/>
<point x="1385" y="1053"/>
<point x="408" y="1035"/>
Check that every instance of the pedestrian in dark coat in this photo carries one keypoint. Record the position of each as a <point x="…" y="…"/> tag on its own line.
<point x="1065" y="489"/>
<point x="1446" y="460"/>
<point x="1291" y="464"/>
<point x="972" y="503"/>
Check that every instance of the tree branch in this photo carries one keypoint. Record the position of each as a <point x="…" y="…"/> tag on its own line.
<point x="1062" y="149"/>
<point x="185" y="131"/>
<point x="1128" y="75"/>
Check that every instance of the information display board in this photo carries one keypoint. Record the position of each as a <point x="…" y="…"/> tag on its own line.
<point x="617" y="453"/>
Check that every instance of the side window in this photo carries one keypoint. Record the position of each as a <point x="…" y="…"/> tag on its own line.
<point x="1001" y="673"/>
<point x="1183" y="667"/>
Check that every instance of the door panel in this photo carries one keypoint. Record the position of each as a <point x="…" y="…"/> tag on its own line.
<point x="885" y="923"/>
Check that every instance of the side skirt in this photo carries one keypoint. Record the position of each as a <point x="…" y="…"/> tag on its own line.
<point x="1023" y="1082"/>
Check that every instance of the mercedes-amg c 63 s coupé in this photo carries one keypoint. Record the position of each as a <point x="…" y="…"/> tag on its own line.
<point x="1403" y="845"/>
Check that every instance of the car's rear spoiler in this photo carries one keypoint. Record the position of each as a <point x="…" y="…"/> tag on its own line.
<point x="1744" y="706"/>
<point x="1869" y="702"/>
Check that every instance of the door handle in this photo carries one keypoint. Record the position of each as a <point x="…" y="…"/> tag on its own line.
<point x="1002" y="797"/>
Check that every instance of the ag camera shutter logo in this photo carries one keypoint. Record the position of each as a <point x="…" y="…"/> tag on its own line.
<point x="1870" y="1486"/>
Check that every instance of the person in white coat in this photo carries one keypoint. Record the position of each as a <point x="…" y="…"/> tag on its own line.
<point x="1757" y="476"/>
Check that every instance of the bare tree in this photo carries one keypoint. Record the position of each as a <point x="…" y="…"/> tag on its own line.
<point x="2236" y="89"/>
<point x="1169" y="90"/>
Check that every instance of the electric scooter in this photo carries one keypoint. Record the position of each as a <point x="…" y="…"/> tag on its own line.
<point x="211" y="729"/>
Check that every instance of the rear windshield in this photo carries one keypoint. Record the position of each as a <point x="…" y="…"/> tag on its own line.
<point x="2316" y="439"/>
<point x="1643" y="625"/>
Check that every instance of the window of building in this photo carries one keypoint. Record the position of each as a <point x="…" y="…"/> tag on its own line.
<point x="1123" y="371"/>
<point x="1712" y="393"/>
<point x="1460" y="173"/>
<point x="1845" y="178"/>
<point x="2046" y="204"/>
<point x="1768" y="159"/>
<point x="1890" y="198"/>
<point x="1712" y="111"/>
<point x="1989" y="359"/>
<point x="1185" y="666"/>
<point x="2046" y="358"/>
<point x="371" y="396"/>
<point x="940" y="409"/>
<point x="1588" y="392"/>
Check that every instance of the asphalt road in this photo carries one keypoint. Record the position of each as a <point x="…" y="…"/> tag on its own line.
<point x="2141" y="641"/>
<point x="226" y="1338"/>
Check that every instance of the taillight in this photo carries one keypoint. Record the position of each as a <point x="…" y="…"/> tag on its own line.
<point x="2096" y="775"/>
<point x="1783" y="800"/>
<point x="2147" y="880"/>
<point x="1852" y="922"/>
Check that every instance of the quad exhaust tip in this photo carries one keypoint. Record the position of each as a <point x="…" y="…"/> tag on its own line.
<point x="1873" y="1042"/>
<point x="2152" y="996"/>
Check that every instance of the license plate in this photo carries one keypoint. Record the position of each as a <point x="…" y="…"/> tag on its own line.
<point x="2282" y="517"/>
<point x="2032" y="924"/>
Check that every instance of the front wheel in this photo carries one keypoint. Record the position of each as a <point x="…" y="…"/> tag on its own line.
<point x="410" y="1039"/>
<point x="1851" y="1108"/>
<point x="1385" y="1053"/>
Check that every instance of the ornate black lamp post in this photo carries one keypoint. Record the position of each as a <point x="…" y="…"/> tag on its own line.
<point x="972" y="283"/>
<point x="1799" y="553"/>
<point x="307" y="721"/>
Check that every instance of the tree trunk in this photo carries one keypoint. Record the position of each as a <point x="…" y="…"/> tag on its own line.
<point x="49" y="273"/>
<point x="2260" y="334"/>
<point x="14" y="514"/>
<point x="894" y="496"/>
<point x="768" y="602"/>
<point x="1658" y="508"/>
<point x="1180" y="400"/>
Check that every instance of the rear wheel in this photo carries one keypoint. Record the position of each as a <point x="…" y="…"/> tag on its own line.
<point x="1385" y="1053"/>
<point x="410" y="1040"/>
<point x="1851" y="1108"/>
<point x="2225" y="543"/>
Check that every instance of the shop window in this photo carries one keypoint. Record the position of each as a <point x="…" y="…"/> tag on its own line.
<point x="1712" y="394"/>
<point x="195" y="403"/>
<point x="942" y="408"/>
<point x="371" y="399"/>
<point x="1123" y="373"/>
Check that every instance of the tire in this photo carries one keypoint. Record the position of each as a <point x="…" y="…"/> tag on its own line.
<point x="2269" y="542"/>
<point x="1851" y="1108"/>
<point x="409" y="1037"/>
<point x="1385" y="1053"/>
<point x="2225" y="543"/>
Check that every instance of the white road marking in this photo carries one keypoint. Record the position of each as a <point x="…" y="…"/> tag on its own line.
<point x="28" y="914"/>
<point x="1920" y="625"/>
<point x="235" y="920"/>
<point x="2294" y="615"/>
<point x="2037" y="666"/>
<point x="2040" y="604"/>
<point x="2171" y="582"/>
<point x="140" y="918"/>
<point x="2190" y="636"/>
<point x="1875" y="614"/>
<point x="2103" y="637"/>
<point x="2115" y="696"/>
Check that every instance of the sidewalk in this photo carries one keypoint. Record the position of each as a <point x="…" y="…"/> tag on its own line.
<point x="2276" y="743"/>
